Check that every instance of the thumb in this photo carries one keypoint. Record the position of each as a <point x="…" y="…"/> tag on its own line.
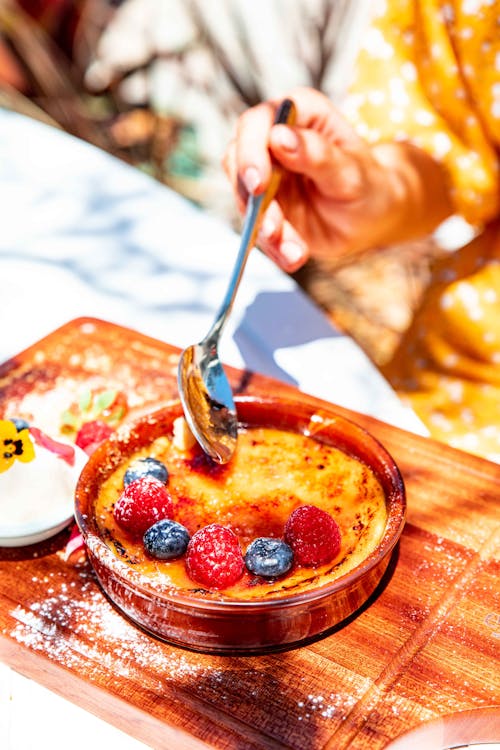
<point x="337" y="171"/>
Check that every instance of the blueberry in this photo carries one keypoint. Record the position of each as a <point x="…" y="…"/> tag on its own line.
<point x="20" y="424"/>
<point x="146" y="467"/>
<point x="166" y="539"/>
<point x="268" y="557"/>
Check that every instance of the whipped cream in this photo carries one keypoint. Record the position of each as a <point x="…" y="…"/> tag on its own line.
<point x="38" y="494"/>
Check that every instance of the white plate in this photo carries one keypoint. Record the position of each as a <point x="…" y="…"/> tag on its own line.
<point x="37" y="531"/>
<point x="477" y="729"/>
<point x="39" y="496"/>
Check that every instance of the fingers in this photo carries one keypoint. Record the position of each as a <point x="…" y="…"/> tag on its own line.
<point x="328" y="171"/>
<point x="280" y="241"/>
<point x="315" y="111"/>
<point x="251" y="158"/>
<point x="231" y="169"/>
<point x="321" y="147"/>
<point x="252" y="155"/>
<point x="337" y="172"/>
<point x="247" y="161"/>
<point x="277" y="238"/>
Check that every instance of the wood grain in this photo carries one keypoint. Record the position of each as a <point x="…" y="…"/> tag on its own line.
<point x="424" y="647"/>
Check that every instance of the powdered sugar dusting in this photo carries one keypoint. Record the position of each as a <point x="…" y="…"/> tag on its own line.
<point x="328" y="706"/>
<point x="73" y="624"/>
<point x="75" y="621"/>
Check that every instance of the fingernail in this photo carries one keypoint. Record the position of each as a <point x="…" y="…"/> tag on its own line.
<point x="288" y="139"/>
<point x="251" y="179"/>
<point x="292" y="252"/>
<point x="268" y="227"/>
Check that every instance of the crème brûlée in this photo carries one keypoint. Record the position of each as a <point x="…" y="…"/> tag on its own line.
<point x="273" y="471"/>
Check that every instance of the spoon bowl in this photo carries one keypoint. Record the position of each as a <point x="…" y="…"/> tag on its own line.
<point x="207" y="400"/>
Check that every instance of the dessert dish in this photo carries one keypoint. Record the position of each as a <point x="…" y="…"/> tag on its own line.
<point x="280" y="544"/>
<point x="38" y="476"/>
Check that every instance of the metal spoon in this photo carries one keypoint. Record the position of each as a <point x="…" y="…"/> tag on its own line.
<point x="204" y="389"/>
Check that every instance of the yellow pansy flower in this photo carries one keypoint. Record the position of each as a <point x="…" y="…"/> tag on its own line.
<point x="14" y="445"/>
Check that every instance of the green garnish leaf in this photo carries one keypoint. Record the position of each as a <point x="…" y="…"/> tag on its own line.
<point x="85" y="400"/>
<point x="104" y="400"/>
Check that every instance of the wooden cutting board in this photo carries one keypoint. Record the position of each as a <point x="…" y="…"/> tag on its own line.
<point x="424" y="646"/>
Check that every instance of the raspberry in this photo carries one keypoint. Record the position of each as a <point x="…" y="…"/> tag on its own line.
<point x="141" y="504"/>
<point x="91" y="434"/>
<point x="214" y="557"/>
<point x="313" y="535"/>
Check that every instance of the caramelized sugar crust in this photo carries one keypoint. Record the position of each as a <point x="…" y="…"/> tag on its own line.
<point x="272" y="473"/>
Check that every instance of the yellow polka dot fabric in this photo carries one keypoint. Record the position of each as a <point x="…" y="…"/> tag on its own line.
<point x="429" y="73"/>
<point x="448" y="365"/>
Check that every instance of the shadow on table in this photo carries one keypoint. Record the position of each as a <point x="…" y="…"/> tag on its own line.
<point x="279" y="320"/>
<point x="278" y="700"/>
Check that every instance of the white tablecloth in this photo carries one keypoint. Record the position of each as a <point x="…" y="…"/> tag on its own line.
<point x="84" y="234"/>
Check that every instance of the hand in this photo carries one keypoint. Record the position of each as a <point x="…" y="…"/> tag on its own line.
<point x="338" y="194"/>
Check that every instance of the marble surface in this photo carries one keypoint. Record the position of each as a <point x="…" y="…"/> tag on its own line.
<point x="83" y="234"/>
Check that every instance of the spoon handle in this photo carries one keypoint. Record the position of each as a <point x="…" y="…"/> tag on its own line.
<point x="256" y="206"/>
